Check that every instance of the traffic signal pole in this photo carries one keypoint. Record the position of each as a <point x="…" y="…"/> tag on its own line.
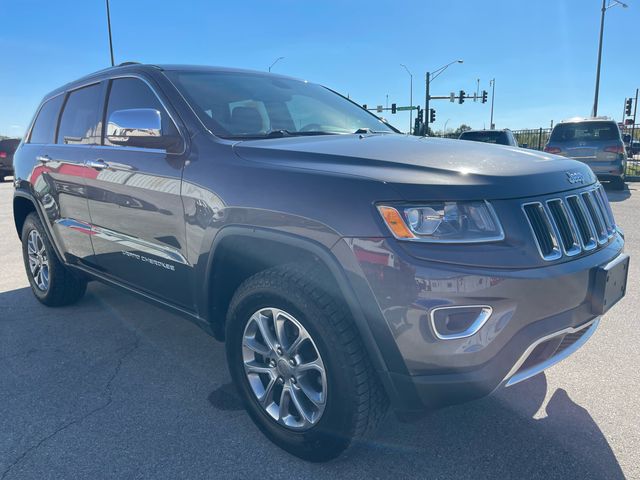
<point x="427" y="97"/>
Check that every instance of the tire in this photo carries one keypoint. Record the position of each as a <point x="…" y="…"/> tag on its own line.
<point x="59" y="286"/>
<point x="354" y="401"/>
<point x="618" y="183"/>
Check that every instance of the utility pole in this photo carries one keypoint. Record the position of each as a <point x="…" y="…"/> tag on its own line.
<point x="605" y="7"/>
<point x="109" y="27"/>
<point x="633" y="126"/>
<point x="493" y="95"/>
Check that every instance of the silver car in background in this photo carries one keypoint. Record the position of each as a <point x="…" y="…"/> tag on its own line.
<point x="594" y="141"/>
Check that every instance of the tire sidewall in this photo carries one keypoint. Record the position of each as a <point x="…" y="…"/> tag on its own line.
<point x="333" y="431"/>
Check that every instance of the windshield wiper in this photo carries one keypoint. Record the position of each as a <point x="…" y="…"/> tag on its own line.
<point x="368" y="130"/>
<point x="289" y="133"/>
<point x="278" y="133"/>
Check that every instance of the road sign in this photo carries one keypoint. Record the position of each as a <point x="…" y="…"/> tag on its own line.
<point x="379" y="109"/>
<point x="403" y="109"/>
<point x="452" y="97"/>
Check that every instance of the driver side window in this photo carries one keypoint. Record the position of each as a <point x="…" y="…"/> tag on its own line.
<point x="131" y="93"/>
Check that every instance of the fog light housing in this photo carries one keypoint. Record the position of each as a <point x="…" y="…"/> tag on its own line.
<point x="450" y="323"/>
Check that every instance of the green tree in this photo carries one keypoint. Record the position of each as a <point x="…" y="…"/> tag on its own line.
<point x="462" y="128"/>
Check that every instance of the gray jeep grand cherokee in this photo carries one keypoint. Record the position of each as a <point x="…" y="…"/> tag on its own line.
<point x="346" y="266"/>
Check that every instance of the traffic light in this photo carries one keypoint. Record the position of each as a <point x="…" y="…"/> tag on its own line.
<point x="420" y="116"/>
<point x="432" y="115"/>
<point x="364" y="106"/>
<point x="394" y="109"/>
<point x="461" y="97"/>
<point x="484" y="96"/>
<point x="627" y="107"/>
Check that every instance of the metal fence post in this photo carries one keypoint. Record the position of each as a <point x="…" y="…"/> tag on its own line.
<point x="540" y="139"/>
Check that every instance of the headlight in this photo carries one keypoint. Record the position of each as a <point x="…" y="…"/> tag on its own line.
<point x="444" y="222"/>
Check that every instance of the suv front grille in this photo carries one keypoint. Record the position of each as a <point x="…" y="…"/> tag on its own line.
<point x="572" y="224"/>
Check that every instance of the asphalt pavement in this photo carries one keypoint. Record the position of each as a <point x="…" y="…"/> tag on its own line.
<point x="115" y="388"/>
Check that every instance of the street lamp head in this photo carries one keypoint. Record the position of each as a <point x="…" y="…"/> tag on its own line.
<point x="460" y="61"/>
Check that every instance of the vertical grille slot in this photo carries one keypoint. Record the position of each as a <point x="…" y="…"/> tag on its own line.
<point x="566" y="228"/>
<point x="605" y="210"/>
<point x="579" y="212"/>
<point x="543" y="231"/>
<point x="595" y="215"/>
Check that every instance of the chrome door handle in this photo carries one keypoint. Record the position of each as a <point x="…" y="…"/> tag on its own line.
<point x="43" y="158"/>
<point x="97" y="164"/>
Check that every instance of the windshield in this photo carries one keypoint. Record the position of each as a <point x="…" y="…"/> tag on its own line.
<point x="248" y="105"/>
<point x="585" y="131"/>
<point x="487" y="137"/>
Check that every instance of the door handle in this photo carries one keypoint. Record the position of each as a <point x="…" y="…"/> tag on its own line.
<point x="43" y="158"/>
<point x="98" y="164"/>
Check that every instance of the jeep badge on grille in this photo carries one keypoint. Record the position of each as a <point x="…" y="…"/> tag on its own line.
<point x="575" y="177"/>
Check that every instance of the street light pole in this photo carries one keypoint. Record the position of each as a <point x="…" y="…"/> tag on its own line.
<point x="410" y="96"/>
<point x="493" y="95"/>
<point x="109" y="27"/>
<point x="605" y="7"/>
<point x="275" y="61"/>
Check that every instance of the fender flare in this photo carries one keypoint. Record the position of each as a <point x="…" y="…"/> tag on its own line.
<point x="383" y="364"/>
<point x="38" y="209"/>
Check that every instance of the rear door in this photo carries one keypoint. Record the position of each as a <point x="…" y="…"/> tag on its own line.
<point x="59" y="177"/>
<point x="135" y="204"/>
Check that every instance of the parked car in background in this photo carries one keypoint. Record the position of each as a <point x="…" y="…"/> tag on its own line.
<point x="347" y="267"/>
<point x="594" y="141"/>
<point x="499" y="137"/>
<point x="8" y="147"/>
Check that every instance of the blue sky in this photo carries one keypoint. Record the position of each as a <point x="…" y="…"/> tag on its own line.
<point x="542" y="53"/>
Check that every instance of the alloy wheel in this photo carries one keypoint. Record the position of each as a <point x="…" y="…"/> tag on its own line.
<point x="284" y="369"/>
<point x="38" y="260"/>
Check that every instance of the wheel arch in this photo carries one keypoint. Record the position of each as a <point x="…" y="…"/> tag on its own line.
<point x="266" y="248"/>
<point x="23" y="205"/>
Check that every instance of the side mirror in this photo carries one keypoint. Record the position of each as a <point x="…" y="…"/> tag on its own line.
<point x="138" y="127"/>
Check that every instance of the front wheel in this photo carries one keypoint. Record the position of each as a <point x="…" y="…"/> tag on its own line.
<point x="299" y="365"/>
<point x="51" y="282"/>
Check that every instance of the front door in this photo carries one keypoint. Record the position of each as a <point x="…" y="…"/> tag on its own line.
<point x="135" y="204"/>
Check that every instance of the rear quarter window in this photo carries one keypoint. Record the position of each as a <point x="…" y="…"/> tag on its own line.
<point x="44" y="128"/>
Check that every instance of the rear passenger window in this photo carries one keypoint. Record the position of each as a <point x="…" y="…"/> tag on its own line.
<point x="44" y="128"/>
<point x="80" y="116"/>
<point x="130" y="93"/>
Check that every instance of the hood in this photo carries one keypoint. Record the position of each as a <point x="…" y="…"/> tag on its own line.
<point x="422" y="168"/>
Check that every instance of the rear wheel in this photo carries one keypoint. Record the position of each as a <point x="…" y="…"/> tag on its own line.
<point x="299" y="365"/>
<point x="618" y="183"/>
<point x="51" y="282"/>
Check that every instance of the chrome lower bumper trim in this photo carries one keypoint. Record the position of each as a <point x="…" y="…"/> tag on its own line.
<point x="514" y="376"/>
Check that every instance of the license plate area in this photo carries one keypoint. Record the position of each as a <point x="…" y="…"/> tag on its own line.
<point x="610" y="284"/>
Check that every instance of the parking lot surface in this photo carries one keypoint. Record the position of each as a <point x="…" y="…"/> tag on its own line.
<point x="115" y="388"/>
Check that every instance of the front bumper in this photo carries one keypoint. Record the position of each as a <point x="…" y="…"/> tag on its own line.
<point x="535" y="311"/>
